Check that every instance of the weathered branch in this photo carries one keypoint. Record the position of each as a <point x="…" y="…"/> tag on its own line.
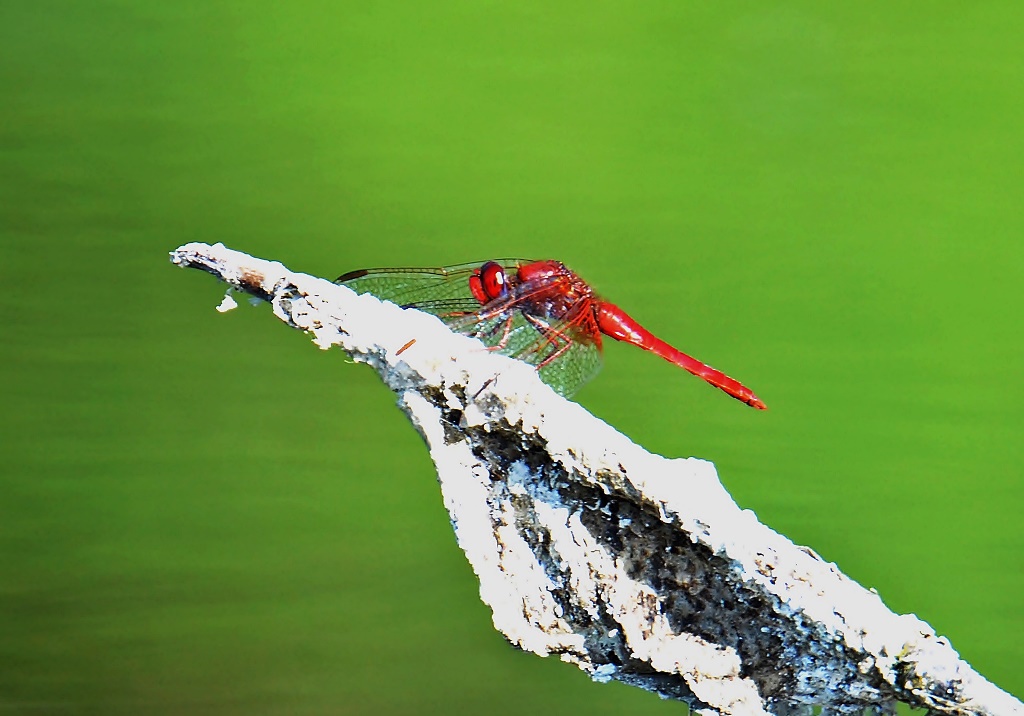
<point x="630" y="565"/>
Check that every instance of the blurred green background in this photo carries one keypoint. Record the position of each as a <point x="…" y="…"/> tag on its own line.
<point x="204" y="514"/>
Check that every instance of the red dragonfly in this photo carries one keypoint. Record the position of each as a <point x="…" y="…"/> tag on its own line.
<point x="537" y="311"/>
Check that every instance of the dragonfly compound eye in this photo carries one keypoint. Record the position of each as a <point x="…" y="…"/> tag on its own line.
<point x="488" y="282"/>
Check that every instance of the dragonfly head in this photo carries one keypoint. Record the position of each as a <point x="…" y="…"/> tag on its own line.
<point x="488" y="282"/>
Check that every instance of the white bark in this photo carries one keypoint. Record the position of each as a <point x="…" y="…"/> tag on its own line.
<point x="630" y="565"/>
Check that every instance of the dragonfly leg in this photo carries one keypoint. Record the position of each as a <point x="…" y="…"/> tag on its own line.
<point x="506" y="332"/>
<point x="553" y="338"/>
<point x="470" y="319"/>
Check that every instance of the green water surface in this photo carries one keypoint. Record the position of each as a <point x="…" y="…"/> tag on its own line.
<point x="203" y="514"/>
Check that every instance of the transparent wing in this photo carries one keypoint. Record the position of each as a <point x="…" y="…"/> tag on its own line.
<point x="580" y="363"/>
<point x="566" y="351"/>
<point x="440" y="291"/>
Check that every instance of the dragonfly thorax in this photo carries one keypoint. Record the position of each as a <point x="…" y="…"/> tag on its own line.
<point x="549" y="290"/>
